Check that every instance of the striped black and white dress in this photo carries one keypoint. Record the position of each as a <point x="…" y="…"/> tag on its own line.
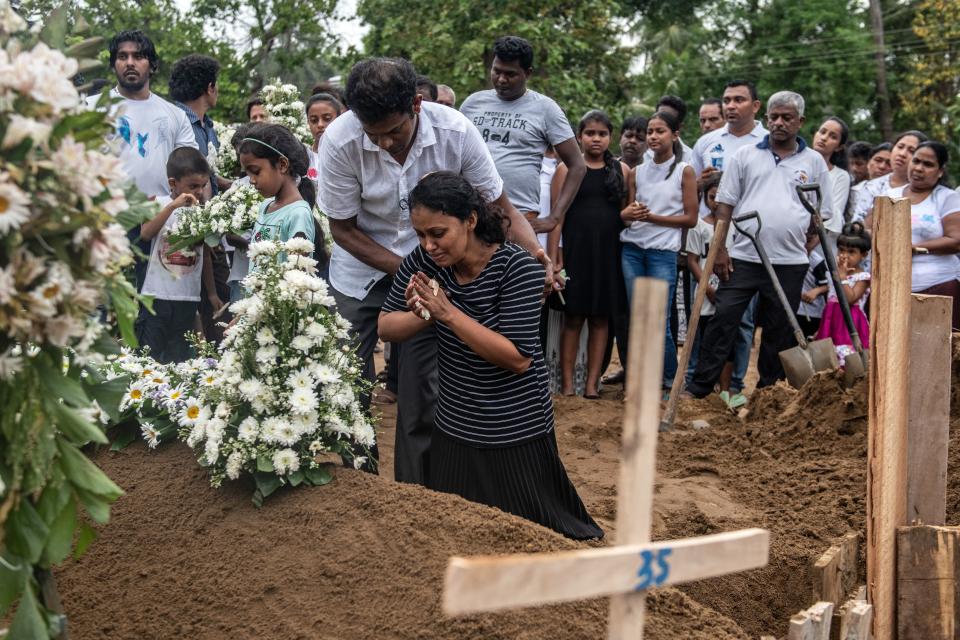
<point x="494" y="440"/>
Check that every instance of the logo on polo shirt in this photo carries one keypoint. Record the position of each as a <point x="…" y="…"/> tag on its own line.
<point x="800" y="176"/>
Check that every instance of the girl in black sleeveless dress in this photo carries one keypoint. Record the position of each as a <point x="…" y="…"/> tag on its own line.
<point x="590" y="231"/>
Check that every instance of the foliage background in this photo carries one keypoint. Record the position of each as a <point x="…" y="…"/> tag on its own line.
<point x="618" y="55"/>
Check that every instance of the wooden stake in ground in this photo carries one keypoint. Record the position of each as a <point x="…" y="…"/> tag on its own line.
<point x="670" y="412"/>
<point x="625" y="571"/>
<point x="888" y="403"/>
<point x="929" y="421"/>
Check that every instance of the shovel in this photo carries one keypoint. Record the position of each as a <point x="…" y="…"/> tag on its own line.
<point x="855" y="364"/>
<point x="804" y="360"/>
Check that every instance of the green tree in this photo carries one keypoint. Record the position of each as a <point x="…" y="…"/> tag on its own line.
<point x="579" y="60"/>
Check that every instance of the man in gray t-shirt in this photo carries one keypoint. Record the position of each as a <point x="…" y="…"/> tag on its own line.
<point x="518" y="126"/>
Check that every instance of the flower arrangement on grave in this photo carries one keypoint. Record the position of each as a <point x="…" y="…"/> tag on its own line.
<point x="282" y="101"/>
<point x="65" y="208"/>
<point x="286" y="389"/>
<point x="281" y="397"/>
<point x="225" y="162"/>
<point x="233" y="211"/>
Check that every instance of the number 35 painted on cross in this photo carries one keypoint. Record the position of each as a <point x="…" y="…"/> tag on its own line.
<point x="654" y="568"/>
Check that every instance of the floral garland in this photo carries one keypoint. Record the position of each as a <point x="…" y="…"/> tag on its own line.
<point x="65" y="208"/>
<point x="283" y="103"/>
<point x="233" y="211"/>
<point x="281" y="398"/>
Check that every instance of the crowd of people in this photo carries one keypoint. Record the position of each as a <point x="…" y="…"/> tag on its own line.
<point x="450" y="228"/>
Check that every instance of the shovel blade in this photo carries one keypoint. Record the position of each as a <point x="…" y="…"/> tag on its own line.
<point x="853" y="369"/>
<point x="797" y="365"/>
<point x="800" y="364"/>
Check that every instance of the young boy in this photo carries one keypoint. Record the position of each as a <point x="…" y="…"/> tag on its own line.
<point x="814" y="296"/>
<point x="699" y="239"/>
<point x="173" y="280"/>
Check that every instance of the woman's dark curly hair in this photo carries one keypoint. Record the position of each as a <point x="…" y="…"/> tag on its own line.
<point x="452" y="195"/>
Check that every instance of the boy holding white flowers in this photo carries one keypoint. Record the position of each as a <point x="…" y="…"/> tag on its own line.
<point x="173" y="279"/>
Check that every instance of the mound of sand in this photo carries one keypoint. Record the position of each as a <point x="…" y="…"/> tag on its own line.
<point x="362" y="557"/>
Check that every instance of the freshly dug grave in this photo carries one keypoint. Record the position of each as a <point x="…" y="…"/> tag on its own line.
<point x="362" y="557"/>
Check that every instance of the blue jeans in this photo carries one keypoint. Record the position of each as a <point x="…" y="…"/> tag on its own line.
<point x="743" y="346"/>
<point x="662" y="265"/>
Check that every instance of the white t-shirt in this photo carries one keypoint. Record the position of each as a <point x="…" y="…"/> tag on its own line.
<point x="147" y="132"/>
<point x="663" y="195"/>
<point x="840" y="193"/>
<point x="699" y="239"/>
<point x="714" y="147"/>
<point x="755" y="180"/>
<point x="176" y="276"/>
<point x="866" y="194"/>
<point x="360" y="180"/>
<point x="517" y="133"/>
<point x="926" y="222"/>
<point x="547" y="168"/>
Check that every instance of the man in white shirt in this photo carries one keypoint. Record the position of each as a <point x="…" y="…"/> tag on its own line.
<point x="371" y="157"/>
<point x="741" y="105"/>
<point x="148" y="127"/>
<point x="711" y="115"/>
<point x="763" y="178"/>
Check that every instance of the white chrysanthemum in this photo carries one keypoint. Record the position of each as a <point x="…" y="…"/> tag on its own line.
<point x="21" y="128"/>
<point x="268" y="430"/>
<point x="197" y="433"/>
<point x="325" y="374"/>
<point x="134" y="395"/>
<point x="248" y="429"/>
<point x="285" y="461"/>
<point x="267" y="354"/>
<point x="265" y="336"/>
<point x="264" y="247"/>
<point x="316" y="447"/>
<point x="359" y="461"/>
<point x="300" y="379"/>
<point x="194" y="412"/>
<point x="211" y="451"/>
<point x="14" y="207"/>
<point x="364" y="434"/>
<point x="250" y="388"/>
<point x="298" y="245"/>
<point x="234" y="465"/>
<point x="302" y="400"/>
<point x="302" y="343"/>
<point x="306" y="423"/>
<point x="286" y="433"/>
<point x="150" y="434"/>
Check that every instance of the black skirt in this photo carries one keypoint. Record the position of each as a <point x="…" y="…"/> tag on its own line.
<point x="527" y="480"/>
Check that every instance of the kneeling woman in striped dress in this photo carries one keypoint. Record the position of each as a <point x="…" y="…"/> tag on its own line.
<point x="494" y="440"/>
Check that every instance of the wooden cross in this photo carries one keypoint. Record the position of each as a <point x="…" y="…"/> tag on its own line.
<point x="624" y="571"/>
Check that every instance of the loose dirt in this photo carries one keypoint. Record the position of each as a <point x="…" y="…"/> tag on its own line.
<point x="364" y="557"/>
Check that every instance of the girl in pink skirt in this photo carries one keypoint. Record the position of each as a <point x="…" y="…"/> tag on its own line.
<point x="853" y="245"/>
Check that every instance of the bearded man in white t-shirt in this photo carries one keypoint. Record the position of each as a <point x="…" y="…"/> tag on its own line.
<point x="148" y="128"/>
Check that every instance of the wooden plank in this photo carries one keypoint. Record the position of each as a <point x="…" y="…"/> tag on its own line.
<point x="929" y="421"/>
<point x="888" y="403"/>
<point x="855" y="622"/>
<point x="822" y="616"/>
<point x="490" y="583"/>
<point x="801" y="627"/>
<point x="638" y="453"/>
<point x="670" y="413"/>
<point x="835" y="572"/>
<point x="928" y="566"/>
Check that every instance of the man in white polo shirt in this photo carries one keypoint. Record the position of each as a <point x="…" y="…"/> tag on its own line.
<point x="371" y="157"/>
<point x="740" y="108"/>
<point x="763" y="178"/>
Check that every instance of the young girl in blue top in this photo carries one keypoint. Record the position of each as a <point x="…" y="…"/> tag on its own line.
<point x="277" y="165"/>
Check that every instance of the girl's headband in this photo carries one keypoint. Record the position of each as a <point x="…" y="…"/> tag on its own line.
<point x="272" y="148"/>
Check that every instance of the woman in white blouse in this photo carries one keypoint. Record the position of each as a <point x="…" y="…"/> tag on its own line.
<point x="830" y="141"/>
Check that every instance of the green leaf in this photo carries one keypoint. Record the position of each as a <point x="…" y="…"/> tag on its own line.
<point x="61" y="535"/>
<point x="28" y="622"/>
<point x="84" y="474"/>
<point x="319" y="476"/>
<point x="124" y="435"/>
<point x="88" y="48"/>
<point x="96" y="506"/>
<point x="109" y="394"/>
<point x="264" y="463"/>
<point x="26" y="532"/>
<point x="85" y="538"/>
<point x="59" y="386"/>
<point x="73" y="425"/>
<point x="54" y="498"/>
<point x="54" y="32"/>
<point x="295" y="478"/>
<point x="11" y="580"/>
<point x="267" y="483"/>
